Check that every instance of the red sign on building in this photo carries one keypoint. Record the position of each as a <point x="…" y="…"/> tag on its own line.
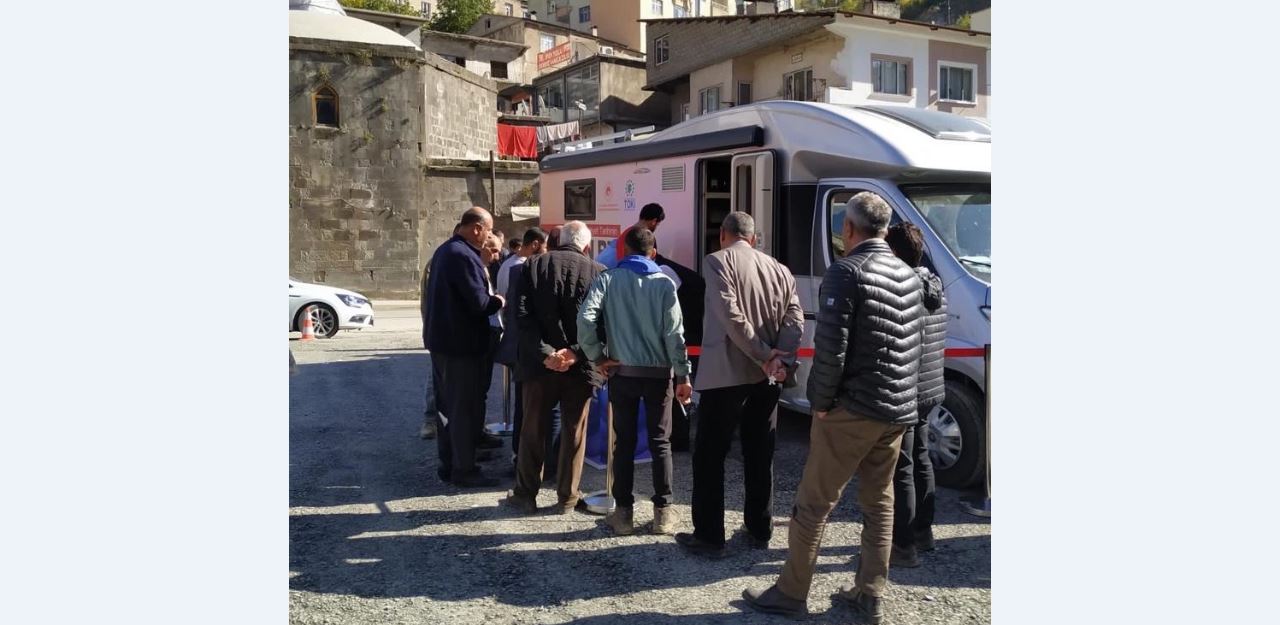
<point x="554" y="56"/>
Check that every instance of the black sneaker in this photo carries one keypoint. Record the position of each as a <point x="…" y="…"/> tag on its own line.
<point x="475" y="479"/>
<point x="772" y="601"/>
<point x="865" y="607"/>
<point x="699" y="547"/>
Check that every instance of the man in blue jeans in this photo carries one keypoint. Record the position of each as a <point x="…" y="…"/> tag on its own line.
<point x="642" y="347"/>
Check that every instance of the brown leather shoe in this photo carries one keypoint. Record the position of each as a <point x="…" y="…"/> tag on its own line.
<point x="518" y="504"/>
<point x="664" y="521"/>
<point x="620" y="521"/>
<point x="772" y="601"/>
<point x="865" y="607"/>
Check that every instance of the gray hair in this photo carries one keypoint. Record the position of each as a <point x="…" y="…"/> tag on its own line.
<point x="869" y="214"/>
<point x="739" y="224"/>
<point x="577" y="234"/>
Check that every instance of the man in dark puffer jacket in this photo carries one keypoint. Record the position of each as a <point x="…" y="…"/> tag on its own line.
<point x="862" y="391"/>
<point x="913" y="485"/>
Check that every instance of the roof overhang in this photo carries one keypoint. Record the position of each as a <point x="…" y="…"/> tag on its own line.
<point x="469" y="47"/>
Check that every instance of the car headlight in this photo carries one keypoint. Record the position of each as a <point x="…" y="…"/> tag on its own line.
<point x="352" y="301"/>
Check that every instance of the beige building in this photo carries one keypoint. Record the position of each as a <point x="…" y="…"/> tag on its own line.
<point x="622" y="20"/>
<point x="843" y="58"/>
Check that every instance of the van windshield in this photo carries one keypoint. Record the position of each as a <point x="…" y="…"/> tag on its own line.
<point x="961" y="216"/>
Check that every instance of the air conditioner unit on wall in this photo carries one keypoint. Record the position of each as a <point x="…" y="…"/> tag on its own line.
<point x="606" y="49"/>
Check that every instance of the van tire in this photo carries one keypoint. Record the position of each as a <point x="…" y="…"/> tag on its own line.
<point x="964" y="406"/>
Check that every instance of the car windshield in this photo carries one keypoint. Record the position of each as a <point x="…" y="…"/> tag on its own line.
<point x="961" y="216"/>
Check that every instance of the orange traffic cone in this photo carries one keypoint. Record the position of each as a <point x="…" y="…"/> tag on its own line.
<point x="308" y="329"/>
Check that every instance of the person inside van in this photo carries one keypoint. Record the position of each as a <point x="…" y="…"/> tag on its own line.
<point x="651" y="215"/>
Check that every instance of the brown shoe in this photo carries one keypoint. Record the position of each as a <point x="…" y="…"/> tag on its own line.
<point x="865" y="607"/>
<point x="620" y="521"/>
<point x="518" y="504"/>
<point x="664" y="521"/>
<point x="772" y="601"/>
<point x="904" y="557"/>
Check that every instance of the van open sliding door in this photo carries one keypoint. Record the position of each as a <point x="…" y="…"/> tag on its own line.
<point x="752" y="193"/>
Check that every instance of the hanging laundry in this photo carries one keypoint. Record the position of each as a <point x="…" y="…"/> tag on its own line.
<point x="521" y="141"/>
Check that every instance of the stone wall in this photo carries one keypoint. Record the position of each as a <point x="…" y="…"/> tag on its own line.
<point x="355" y="190"/>
<point x="452" y="186"/>
<point x="460" y="111"/>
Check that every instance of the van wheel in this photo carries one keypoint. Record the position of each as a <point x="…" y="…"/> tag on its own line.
<point x="957" y="438"/>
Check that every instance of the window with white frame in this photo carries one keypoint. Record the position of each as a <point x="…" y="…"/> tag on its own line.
<point x="709" y="100"/>
<point x="426" y="9"/>
<point x="546" y="42"/>
<point x="798" y="85"/>
<point x="508" y="9"/>
<point x="656" y="7"/>
<point x="661" y="50"/>
<point x="680" y="8"/>
<point x="584" y="14"/>
<point x="890" y="76"/>
<point x="955" y="82"/>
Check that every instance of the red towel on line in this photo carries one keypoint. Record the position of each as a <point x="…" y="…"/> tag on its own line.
<point x="521" y="141"/>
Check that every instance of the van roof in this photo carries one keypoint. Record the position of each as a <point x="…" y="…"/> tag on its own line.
<point x="818" y="140"/>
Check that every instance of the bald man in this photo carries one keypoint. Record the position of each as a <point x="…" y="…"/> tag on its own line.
<point x="458" y="333"/>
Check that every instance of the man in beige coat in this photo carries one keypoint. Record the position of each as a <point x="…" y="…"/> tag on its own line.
<point x="751" y="333"/>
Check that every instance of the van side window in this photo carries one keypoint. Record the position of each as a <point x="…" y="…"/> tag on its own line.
<point x="835" y="217"/>
<point x="580" y="199"/>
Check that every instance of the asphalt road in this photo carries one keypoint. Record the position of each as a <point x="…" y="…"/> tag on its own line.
<point x="376" y="538"/>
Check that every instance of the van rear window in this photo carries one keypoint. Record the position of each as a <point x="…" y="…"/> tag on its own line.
<point x="580" y="199"/>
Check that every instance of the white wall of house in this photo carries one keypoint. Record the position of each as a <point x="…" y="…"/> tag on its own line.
<point x="854" y="61"/>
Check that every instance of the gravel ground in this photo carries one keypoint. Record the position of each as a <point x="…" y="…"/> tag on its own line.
<point x="376" y="538"/>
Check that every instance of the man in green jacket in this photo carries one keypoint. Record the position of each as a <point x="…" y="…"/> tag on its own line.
<point x="642" y="347"/>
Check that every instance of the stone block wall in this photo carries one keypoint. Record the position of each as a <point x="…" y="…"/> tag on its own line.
<point x="460" y="111"/>
<point x="355" y="190"/>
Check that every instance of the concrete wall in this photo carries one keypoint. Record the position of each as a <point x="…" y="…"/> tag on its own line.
<point x="460" y="111"/>
<point x="624" y="101"/>
<point x="354" y="190"/>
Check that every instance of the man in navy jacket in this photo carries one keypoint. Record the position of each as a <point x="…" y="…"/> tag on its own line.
<point x="457" y="331"/>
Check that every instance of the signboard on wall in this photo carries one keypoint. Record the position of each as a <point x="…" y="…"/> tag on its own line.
<point x="554" y="56"/>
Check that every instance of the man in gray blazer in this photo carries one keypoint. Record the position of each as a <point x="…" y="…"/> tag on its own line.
<point x="751" y="333"/>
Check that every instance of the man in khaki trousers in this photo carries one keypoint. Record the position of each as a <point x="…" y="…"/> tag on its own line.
<point x="862" y="390"/>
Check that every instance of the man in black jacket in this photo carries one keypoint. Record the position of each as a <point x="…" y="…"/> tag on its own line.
<point x="913" y="484"/>
<point x="862" y="391"/>
<point x="553" y="367"/>
<point x="456" y="326"/>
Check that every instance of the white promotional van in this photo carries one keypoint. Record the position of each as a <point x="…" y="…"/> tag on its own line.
<point x="793" y="165"/>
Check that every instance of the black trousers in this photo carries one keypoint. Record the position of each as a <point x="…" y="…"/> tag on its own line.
<point x="913" y="485"/>
<point x="460" y="397"/>
<point x="624" y="396"/>
<point x="719" y="413"/>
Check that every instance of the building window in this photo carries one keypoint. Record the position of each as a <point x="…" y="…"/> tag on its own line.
<point x="888" y="76"/>
<point x="798" y="85"/>
<point x="546" y="42"/>
<point x="508" y="9"/>
<point x="497" y="69"/>
<point x="460" y="61"/>
<point x="661" y="50"/>
<point x="709" y="100"/>
<point x="326" y="106"/>
<point x="656" y="7"/>
<point x="955" y="83"/>
<point x="583" y="85"/>
<point x="680" y="8"/>
<point x="426" y="9"/>
<point x="744" y="93"/>
<point x="580" y="199"/>
<point x="684" y="111"/>
<point x="584" y="14"/>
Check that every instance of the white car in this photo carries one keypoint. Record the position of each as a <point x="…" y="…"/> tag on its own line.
<point x="332" y="309"/>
